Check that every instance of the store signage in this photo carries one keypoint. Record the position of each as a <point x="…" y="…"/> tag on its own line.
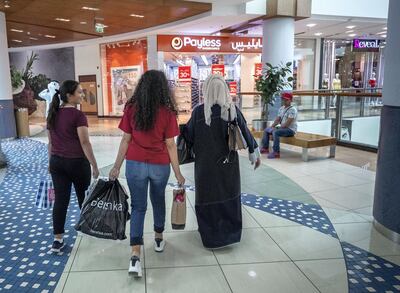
<point x="184" y="72"/>
<point x="173" y="43"/>
<point x="218" y="69"/>
<point x="364" y="45"/>
<point x="233" y="87"/>
<point x="257" y="69"/>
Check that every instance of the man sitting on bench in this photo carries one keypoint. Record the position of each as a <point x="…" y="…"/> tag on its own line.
<point x="285" y="125"/>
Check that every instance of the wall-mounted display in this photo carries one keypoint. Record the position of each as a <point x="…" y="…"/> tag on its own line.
<point x="89" y="86"/>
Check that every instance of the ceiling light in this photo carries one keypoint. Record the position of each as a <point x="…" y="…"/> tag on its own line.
<point x="317" y="34"/>
<point x="350" y="26"/>
<point x="17" y="31"/>
<point x="137" y="15"/>
<point x="6" y="4"/>
<point x="50" y="36"/>
<point x="63" y="19"/>
<point x="384" y="36"/>
<point x="180" y="62"/>
<point x="311" y="24"/>
<point x="17" y="41"/>
<point x="381" y="33"/>
<point x="34" y="39"/>
<point x="350" y="31"/>
<point x="352" y="35"/>
<point x="83" y="22"/>
<point x="385" y="28"/>
<point x="204" y="58"/>
<point x="237" y="59"/>
<point x="90" y="8"/>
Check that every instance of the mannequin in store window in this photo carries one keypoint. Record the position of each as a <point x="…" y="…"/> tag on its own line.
<point x="324" y="86"/>
<point x="336" y="85"/>
<point x="372" y="84"/>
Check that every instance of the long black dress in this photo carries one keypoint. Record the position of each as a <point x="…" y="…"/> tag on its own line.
<point x="218" y="201"/>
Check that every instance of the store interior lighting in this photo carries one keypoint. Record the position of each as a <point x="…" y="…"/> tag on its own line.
<point x="16" y="31"/>
<point x="90" y="8"/>
<point x="350" y="26"/>
<point x="311" y="24"/>
<point x="237" y="59"/>
<point x="204" y="58"/>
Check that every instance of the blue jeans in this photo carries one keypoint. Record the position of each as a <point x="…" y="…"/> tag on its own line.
<point x="139" y="175"/>
<point x="276" y="134"/>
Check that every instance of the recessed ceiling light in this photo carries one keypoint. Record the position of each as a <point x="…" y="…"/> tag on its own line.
<point x="350" y="26"/>
<point x="311" y="24"/>
<point x="381" y="33"/>
<point x="384" y="36"/>
<point x="352" y="35"/>
<point x="385" y="28"/>
<point x="90" y="8"/>
<point x="50" y="36"/>
<point x="350" y="31"/>
<point x="17" y="41"/>
<point x="137" y="15"/>
<point x="34" y="39"/>
<point x="83" y="22"/>
<point x="63" y="19"/>
<point x="17" y="31"/>
<point x="317" y="34"/>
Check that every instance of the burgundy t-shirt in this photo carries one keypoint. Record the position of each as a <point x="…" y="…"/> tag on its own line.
<point x="64" y="135"/>
<point x="149" y="146"/>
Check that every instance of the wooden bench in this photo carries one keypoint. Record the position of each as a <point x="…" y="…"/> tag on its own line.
<point x="306" y="141"/>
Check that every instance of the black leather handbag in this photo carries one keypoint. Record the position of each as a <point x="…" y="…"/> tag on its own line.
<point x="185" y="150"/>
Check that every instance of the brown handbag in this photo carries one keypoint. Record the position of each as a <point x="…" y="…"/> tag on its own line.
<point x="236" y="138"/>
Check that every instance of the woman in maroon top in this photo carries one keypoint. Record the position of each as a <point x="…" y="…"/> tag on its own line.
<point x="70" y="154"/>
<point x="149" y="124"/>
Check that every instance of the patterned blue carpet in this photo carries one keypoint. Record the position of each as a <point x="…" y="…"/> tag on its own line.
<point x="26" y="265"/>
<point x="26" y="232"/>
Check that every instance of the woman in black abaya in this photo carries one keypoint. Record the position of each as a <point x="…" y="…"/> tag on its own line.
<point x="217" y="175"/>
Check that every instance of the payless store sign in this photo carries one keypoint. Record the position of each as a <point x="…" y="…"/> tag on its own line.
<point x="173" y="43"/>
<point x="364" y="45"/>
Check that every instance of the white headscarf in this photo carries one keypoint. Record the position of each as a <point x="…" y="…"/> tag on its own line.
<point x="216" y="92"/>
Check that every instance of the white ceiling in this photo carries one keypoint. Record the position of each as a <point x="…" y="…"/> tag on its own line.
<point x="334" y="28"/>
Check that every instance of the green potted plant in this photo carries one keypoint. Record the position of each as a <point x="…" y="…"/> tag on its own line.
<point x="273" y="80"/>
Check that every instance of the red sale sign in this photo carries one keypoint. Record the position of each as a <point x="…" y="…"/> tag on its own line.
<point x="258" y="69"/>
<point x="184" y="72"/>
<point x="233" y="87"/>
<point x="218" y="69"/>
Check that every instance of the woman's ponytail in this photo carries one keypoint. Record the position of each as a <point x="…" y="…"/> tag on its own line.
<point x="67" y="87"/>
<point x="53" y="110"/>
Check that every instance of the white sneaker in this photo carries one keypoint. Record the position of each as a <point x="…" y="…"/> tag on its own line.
<point x="135" y="267"/>
<point x="159" y="245"/>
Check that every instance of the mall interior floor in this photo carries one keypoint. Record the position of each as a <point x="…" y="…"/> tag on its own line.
<point x="307" y="227"/>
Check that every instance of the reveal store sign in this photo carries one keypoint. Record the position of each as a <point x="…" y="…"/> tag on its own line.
<point x="173" y="43"/>
<point x="366" y="45"/>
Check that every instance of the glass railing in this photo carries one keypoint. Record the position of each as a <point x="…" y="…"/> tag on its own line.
<point x="358" y="112"/>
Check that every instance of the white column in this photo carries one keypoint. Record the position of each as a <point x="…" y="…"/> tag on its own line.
<point x="278" y="46"/>
<point x="386" y="199"/>
<point x="155" y="59"/>
<point x="391" y="89"/>
<point x="5" y="78"/>
<point x="7" y="120"/>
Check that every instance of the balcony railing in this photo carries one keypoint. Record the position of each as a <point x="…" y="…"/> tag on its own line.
<point x="350" y="115"/>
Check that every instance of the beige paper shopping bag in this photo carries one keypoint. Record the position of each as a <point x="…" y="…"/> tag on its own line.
<point x="178" y="213"/>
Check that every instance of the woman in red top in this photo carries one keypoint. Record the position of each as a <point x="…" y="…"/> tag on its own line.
<point x="149" y="124"/>
<point x="70" y="153"/>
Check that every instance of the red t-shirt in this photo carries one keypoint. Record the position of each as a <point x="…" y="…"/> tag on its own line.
<point x="64" y="135"/>
<point x="149" y="146"/>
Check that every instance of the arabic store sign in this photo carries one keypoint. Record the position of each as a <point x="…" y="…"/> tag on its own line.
<point x="173" y="43"/>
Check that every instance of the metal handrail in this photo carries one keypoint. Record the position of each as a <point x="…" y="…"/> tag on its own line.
<point x="326" y="93"/>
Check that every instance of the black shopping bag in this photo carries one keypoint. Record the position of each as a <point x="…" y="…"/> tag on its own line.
<point x="105" y="211"/>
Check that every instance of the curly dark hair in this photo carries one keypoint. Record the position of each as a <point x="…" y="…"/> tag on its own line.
<point x="151" y="93"/>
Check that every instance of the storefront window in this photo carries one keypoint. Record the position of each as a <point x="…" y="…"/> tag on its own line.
<point x="303" y="64"/>
<point x="122" y="65"/>
<point x="344" y="67"/>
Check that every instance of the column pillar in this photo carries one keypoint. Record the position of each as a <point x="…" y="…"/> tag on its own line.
<point x="278" y="47"/>
<point x="7" y="120"/>
<point x="387" y="193"/>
